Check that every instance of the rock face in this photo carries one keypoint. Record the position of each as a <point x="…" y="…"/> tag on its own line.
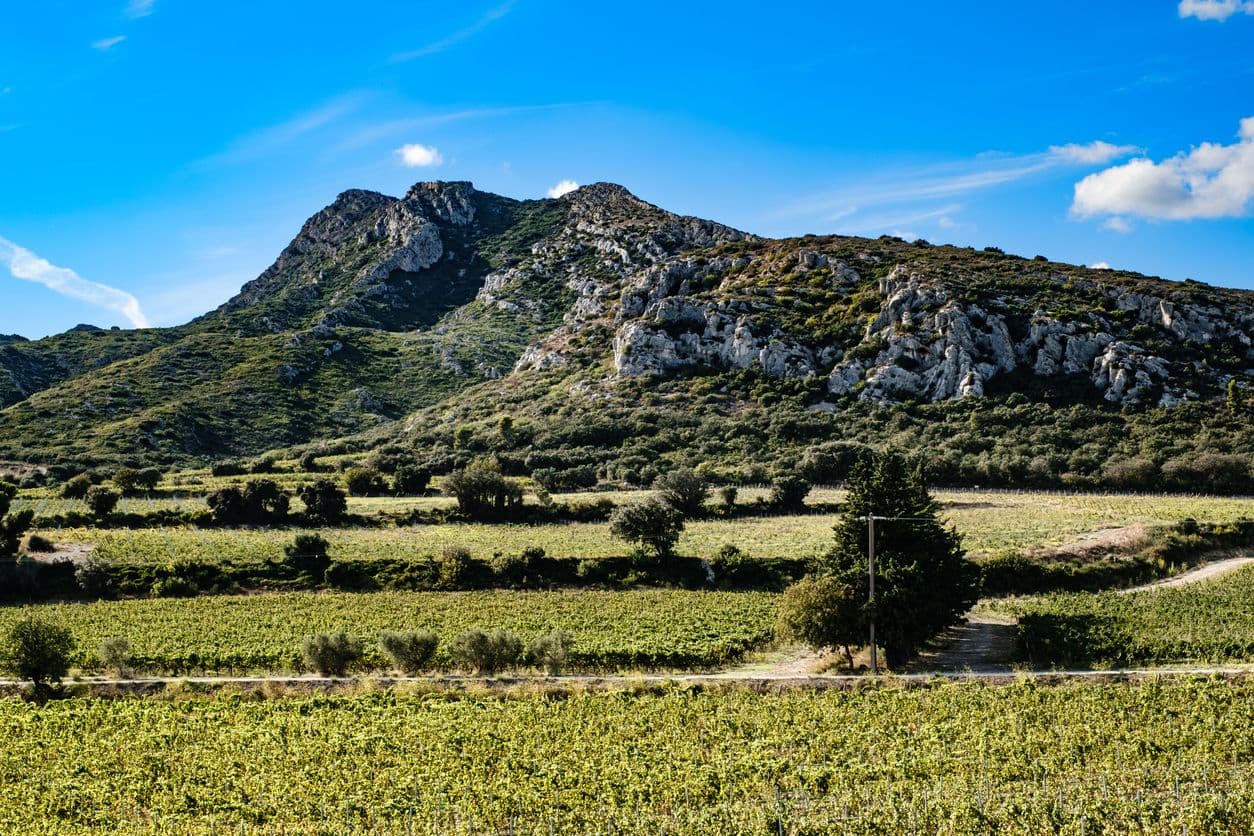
<point x="924" y="343"/>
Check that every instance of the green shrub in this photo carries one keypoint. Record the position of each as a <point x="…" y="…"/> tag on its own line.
<point x="324" y="501"/>
<point x="683" y="490"/>
<point x="38" y="544"/>
<point x="174" y="586"/>
<point x="551" y="652"/>
<point x="115" y="655"/>
<point x="95" y="576"/>
<point x="363" y="481"/>
<point x="653" y="524"/>
<point x="77" y="487"/>
<point x="788" y="493"/>
<point x="455" y="568"/>
<point x="102" y="501"/>
<point x="331" y="654"/>
<point x="484" y="652"/>
<point x="410" y="652"/>
<point x="309" y="554"/>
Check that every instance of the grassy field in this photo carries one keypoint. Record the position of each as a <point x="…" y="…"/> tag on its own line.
<point x="1176" y="757"/>
<point x="991" y="523"/>
<point x="645" y="629"/>
<point x="1211" y="621"/>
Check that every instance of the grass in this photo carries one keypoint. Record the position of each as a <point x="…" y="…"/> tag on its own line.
<point x="991" y="522"/>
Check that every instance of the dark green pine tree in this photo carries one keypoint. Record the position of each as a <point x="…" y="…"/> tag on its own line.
<point x="923" y="581"/>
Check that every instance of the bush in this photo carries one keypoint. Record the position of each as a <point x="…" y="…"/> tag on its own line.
<point x="308" y="554"/>
<point x="309" y="463"/>
<point x="38" y="544"/>
<point x="227" y="505"/>
<point x="788" y="493"/>
<point x="653" y="524"/>
<point x="77" y="487"/>
<point x="410" y="652"/>
<point x="486" y="653"/>
<point x="102" y="501"/>
<point x="551" y="652"/>
<point x="38" y="651"/>
<point x="728" y="495"/>
<point x="362" y="481"/>
<point x="95" y="576"/>
<point x="482" y="492"/>
<point x="455" y="568"/>
<point x="331" y="654"/>
<point x="683" y="490"/>
<point x="228" y="469"/>
<point x="411" y="481"/>
<point x="174" y="586"/>
<point x="324" y="500"/>
<point x="115" y="655"/>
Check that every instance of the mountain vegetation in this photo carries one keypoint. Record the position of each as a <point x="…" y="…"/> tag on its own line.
<point x="595" y="337"/>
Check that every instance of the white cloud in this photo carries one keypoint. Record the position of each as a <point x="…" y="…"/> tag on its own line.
<point x="563" y="187"/>
<point x="140" y="8"/>
<point x="475" y="28"/>
<point x="1100" y="265"/>
<point x="1214" y="9"/>
<point x="1095" y="153"/>
<point x="1117" y="224"/>
<point x="24" y="264"/>
<point x="419" y="156"/>
<point x="106" y="44"/>
<point x="1210" y="181"/>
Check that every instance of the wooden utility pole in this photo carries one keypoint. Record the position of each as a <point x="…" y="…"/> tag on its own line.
<point x="870" y="568"/>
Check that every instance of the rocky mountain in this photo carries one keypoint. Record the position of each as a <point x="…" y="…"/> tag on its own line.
<point x="386" y="313"/>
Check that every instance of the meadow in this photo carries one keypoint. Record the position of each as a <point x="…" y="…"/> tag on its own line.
<point x="237" y="633"/>
<point x="1159" y="757"/>
<point x="991" y="522"/>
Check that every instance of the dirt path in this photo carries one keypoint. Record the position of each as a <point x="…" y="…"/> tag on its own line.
<point x="984" y="644"/>
<point x="1201" y="573"/>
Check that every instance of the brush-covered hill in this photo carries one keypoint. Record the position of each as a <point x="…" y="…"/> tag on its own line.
<point x="600" y="323"/>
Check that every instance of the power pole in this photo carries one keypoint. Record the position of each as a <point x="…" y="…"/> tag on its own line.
<point x="870" y="568"/>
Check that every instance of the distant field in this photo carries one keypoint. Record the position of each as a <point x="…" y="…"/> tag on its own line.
<point x="1211" y="621"/>
<point x="645" y="629"/>
<point x="1166" y="758"/>
<point x="991" y="522"/>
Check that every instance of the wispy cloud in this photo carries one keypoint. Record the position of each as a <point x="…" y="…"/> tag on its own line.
<point x="906" y="189"/>
<point x="140" y="8"/>
<point x="562" y="187"/>
<point x="940" y="214"/>
<point x="419" y="156"/>
<point x="106" y="44"/>
<point x="492" y="16"/>
<point x="25" y="265"/>
<point x="1209" y="181"/>
<point x="1219" y="10"/>
<point x="267" y="141"/>
<point x="1100" y="265"/>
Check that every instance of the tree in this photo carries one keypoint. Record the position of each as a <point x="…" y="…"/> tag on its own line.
<point x="77" y="487"/>
<point x="265" y="501"/>
<point x="826" y="611"/>
<point x="653" y="524"/>
<point x="410" y="652"/>
<point x="227" y="505"/>
<point x="683" y="490"/>
<point x="38" y="651"/>
<point x="12" y="526"/>
<point x="482" y="492"/>
<point x="309" y="554"/>
<point x="365" y="481"/>
<point x="331" y="654"/>
<point x="923" y="582"/>
<point x="102" y="501"/>
<point x="324" y="500"/>
<point x="127" y="481"/>
<point x="411" y="480"/>
<point x="788" y="493"/>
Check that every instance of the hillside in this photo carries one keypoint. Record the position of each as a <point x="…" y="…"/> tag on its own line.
<point x="615" y="332"/>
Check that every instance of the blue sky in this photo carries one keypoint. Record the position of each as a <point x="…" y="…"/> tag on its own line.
<point x="155" y="155"/>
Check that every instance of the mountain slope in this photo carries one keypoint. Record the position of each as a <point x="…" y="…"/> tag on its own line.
<point x="418" y="307"/>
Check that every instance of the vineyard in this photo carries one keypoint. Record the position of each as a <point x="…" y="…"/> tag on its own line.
<point x="991" y="523"/>
<point x="1175" y="757"/>
<point x="647" y="629"/>
<point x="1205" y="622"/>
